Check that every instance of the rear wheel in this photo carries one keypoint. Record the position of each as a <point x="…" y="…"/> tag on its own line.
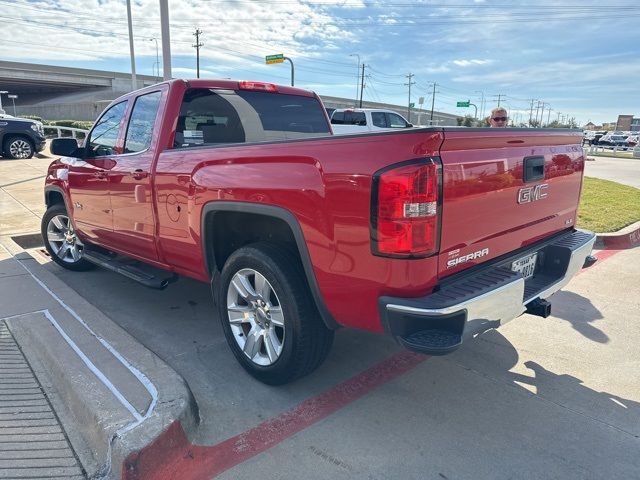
<point x="18" y="148"/>
<point x="268" y="315"/>
<point x="61" y="241"/>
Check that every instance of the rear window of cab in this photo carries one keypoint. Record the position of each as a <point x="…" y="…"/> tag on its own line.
<point x="210" y="116"/>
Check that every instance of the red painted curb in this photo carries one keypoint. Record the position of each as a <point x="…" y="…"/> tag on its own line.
<point x="172" y="456"/>
<point x="619" y="242"/>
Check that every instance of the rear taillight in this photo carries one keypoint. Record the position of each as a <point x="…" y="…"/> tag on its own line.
<point x="405" y="213"/>
<point x="260" y="86"/>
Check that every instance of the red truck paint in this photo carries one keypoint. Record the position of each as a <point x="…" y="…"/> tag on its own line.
<point x="326" y="184"/>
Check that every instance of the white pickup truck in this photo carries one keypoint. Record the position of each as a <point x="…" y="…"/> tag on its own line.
<point x="345" y="121"/>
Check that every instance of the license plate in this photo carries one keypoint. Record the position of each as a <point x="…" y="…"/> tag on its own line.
<point x="525" y="265"/>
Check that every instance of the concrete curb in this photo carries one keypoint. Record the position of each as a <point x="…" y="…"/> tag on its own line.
<point x="628" y="237"/>
<point x="102" y="431"/>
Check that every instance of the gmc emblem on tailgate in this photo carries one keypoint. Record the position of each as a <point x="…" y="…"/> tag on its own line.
<point x="531" y="194"/>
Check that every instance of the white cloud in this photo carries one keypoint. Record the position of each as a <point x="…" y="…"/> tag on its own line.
<point x="468" y="63"/>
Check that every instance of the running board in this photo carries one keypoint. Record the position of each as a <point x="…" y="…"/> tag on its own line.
<point x="159" y="280"/>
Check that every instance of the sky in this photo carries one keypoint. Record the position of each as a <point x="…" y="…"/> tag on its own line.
<point x="580" y="59"/>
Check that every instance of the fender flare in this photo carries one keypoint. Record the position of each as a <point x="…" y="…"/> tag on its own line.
<point x="54" y="188"/>
<point x="267" y="211"/>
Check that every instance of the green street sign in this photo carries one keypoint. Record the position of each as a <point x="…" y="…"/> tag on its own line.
<point x="463" y="104"/>
<point x="411" y="105"/>
<point x="269" y="59"/>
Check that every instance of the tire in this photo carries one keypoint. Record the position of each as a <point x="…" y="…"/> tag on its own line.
<point x="267" y="311"/>
<point x="61" y="241"/>
<point x="19" y="148"/>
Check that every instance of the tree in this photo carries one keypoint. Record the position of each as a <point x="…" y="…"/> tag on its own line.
<point x="469" y="121"/>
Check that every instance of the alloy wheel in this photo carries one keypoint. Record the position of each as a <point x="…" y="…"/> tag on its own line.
<point x="20" y="149"/>
<point x="256" y="317"/>
<point x="63" y="239"/>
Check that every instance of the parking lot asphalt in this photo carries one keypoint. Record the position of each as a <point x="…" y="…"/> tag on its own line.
<point x="538" y="398"/>
<point x="621" y="170"/>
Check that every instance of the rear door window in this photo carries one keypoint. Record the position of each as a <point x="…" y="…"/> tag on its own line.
<point x="396" y="121"/>
<point x="218" y="116"/>
<point x="379" y="119"/>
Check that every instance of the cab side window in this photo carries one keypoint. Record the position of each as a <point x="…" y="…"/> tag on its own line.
<point x="378" y="119"/>
<point x="102" y="139"/>
<point x="143" y="118"/>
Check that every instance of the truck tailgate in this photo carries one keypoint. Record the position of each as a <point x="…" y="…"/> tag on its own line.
<point x="504" y="189"/>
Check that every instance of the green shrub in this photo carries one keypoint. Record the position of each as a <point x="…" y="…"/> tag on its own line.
<point x="85" y="125"/>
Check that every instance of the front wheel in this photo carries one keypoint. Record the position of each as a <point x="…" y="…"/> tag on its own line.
<point x="61" y="241"/>
<point x="18" y="148"/>
<point x="268" y="316"/>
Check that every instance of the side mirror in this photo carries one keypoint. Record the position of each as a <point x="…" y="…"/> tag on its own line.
<point x="66" y="147"/>
<point x="409" y="125"/>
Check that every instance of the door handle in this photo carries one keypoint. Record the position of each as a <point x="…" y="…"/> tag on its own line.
<point x="139" y="174"/>
<point x="100" y="174"/>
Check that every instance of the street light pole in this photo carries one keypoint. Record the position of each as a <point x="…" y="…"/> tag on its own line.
<point x="292" y="72"/>
<point x="157" y="58"/>
<point x="13" y="100"/>
<point x="166" y="41"/>
<point x="133" y="58"/>
<point x="1" y="93"/>
<point x="357" y="77"/>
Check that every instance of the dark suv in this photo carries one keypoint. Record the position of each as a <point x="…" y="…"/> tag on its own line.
<point x="20" y="137"/>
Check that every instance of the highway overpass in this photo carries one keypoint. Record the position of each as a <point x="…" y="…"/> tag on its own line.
<point x="56" y="93"/>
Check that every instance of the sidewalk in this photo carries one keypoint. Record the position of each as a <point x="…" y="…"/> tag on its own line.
<point x="112" y="395"/>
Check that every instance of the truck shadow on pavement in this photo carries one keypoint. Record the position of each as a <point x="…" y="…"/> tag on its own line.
<point x="580" y="312"/>
<point x="493" y="356"/>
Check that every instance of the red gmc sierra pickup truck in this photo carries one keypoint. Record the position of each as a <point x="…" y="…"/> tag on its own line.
<point x="432" y="235"/>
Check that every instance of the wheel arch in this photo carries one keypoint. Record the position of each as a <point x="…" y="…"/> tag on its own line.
<point x="54" y="195"/>
<point x="221" y="236"/>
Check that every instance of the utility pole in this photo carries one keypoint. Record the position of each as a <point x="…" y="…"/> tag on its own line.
<point x="133" y="57"/>
<point x="166" y="40"/>
<point x="362" y="85"/>
<point x="542" y="113"/>
<point x="409" y="76"/>
<point x="433" y="101"/>
<point x="531" y="111"/>
<point x="549" y="117"/>
<point x="558" y="120"/>
<point x="197" y="46"/>
<point x="500" y="95"/>
<point x="537" y="110"/>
